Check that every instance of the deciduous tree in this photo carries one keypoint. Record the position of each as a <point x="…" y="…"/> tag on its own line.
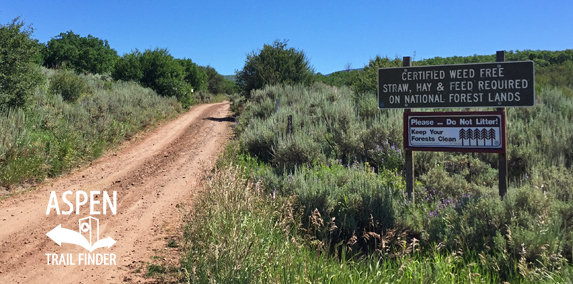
<point x="367" y="79"/>
<point x="83" y="54"/>
<point x="274" y="64"/>
<point x="194" y="74"/>
<point x="155" y="69"/>
<point x="19" y="75"/>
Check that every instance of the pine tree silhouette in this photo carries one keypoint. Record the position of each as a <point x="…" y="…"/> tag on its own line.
<point x="484" y="135"/>
<point x="491" y="135"/>
<point x="462" y="135"/>
<point x="477" y="135"/>
<point x="470" y="135"/>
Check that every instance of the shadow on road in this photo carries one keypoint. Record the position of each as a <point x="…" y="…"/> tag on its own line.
<point x="219" y="119"/>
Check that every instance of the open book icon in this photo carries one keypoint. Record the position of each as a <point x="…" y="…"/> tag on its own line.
<point x="62" y="235"/>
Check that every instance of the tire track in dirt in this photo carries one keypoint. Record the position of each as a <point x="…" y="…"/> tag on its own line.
<point x="155" y="179"/>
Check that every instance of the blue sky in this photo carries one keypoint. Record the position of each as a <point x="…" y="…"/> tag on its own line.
<point x="331" y="33"/>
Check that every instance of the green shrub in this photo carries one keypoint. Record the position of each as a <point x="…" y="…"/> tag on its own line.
<point x="128" y="68"/>
<point x="52" y="136"/>
<point x="158" y="70"/>
<point x="367" y="79"/>
<point x="194" y="75"/>
<point x="217" y="83"/>
<point x="367" y="105"/>
<point x="294" y="150"/>
<point x="19" y="156"/>
<point x="69" y="85"/>
<point x="326" y="119"/>
<point x="19" y="75"/>
<point x="82" y="54"/>
<point x="274" y="64"/>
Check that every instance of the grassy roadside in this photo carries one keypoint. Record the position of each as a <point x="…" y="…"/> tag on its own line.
<point x="243" y="234"/>
<point x="52" y="135"/>
<point x="326" y="205"/>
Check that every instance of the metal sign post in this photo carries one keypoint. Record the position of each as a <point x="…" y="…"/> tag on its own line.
<point x="289" y="124"/>
<point x="406" y="62"/>
<point x="502" y="157"/>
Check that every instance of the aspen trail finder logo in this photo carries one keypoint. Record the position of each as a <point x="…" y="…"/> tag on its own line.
<point x="88" y="235"/>
<point x="61" y="235"/>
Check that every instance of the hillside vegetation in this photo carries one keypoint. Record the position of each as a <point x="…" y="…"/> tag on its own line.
<point x="327" y="202"/>
<point x="53" y="135"/>
<point x="63" y="103"/>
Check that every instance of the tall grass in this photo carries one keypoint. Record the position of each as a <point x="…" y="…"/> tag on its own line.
<point x="52" y="135"/>
<point x="242" y="233"/>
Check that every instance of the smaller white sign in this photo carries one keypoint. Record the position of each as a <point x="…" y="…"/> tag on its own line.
<point x="462" y="131"/>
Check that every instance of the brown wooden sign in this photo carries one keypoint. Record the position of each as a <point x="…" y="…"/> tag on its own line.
<point x="455" y="131"/>
<point x="500" y="84"/>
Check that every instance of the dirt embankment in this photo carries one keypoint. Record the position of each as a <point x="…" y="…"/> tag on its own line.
<point x="154" y="178"/>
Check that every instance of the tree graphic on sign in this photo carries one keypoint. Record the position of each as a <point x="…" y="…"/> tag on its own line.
<point x="470" y="135"/>
<point x="491" y="135"/>
<point x="477" y="136"/>
<point x="484" y="135"/>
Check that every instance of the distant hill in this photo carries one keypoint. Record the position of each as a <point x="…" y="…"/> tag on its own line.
<point x="355" y="69"/>
<point x="234" y="77"/>
<point x="231" y="77"/>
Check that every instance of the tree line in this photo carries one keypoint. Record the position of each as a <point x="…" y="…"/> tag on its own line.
<point x="21" y="55"/>
<point x="275" y="63"/>
<point x="553" y="68"/>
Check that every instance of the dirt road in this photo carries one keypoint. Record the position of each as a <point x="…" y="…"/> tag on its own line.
<point x="154" y="178"/>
